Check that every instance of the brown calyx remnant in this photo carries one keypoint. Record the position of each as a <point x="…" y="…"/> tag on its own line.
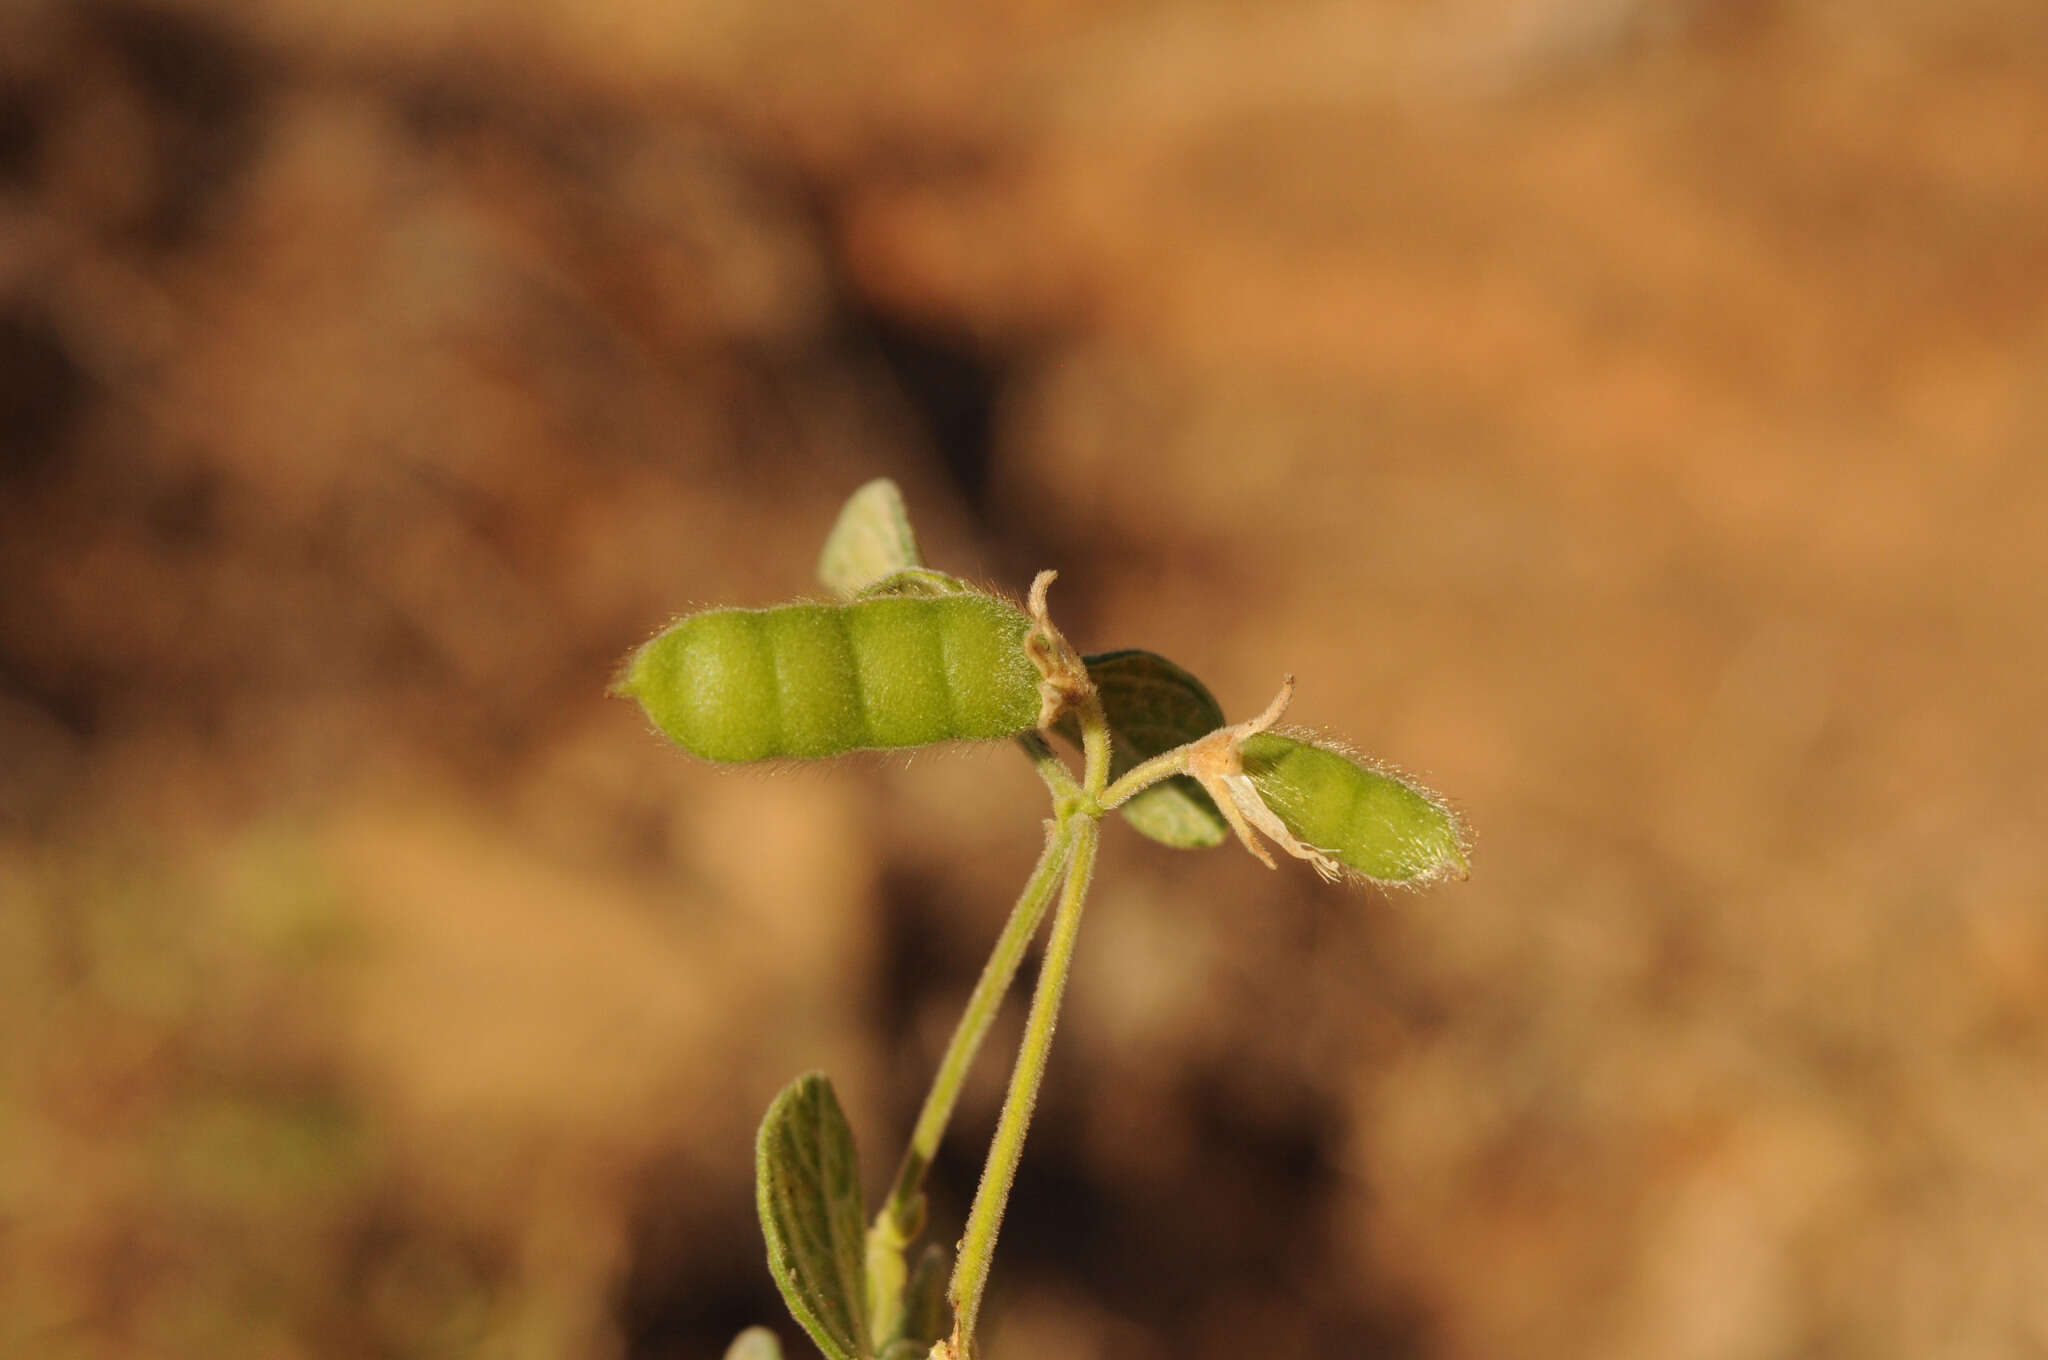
<point x="1217" y="763"/>
<point x="1064" y="684"/>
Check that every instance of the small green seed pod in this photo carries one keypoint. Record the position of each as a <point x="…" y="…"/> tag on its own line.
<point x="808" y="680"/>
<point x="1375" y="823"/>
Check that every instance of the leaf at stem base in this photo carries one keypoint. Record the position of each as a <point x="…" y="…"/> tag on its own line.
<point x="807" y="1186"/>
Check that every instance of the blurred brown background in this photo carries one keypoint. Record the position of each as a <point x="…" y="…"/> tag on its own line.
<point x="1628" y="414"/>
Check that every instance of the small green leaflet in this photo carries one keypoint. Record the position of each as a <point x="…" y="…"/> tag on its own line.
<point x="870" y="539"/>
<point x="926" y="1316"/>
<point x="807" y="1186"/>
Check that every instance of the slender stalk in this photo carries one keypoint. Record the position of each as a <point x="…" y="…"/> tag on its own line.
<point x="1050" y="767"/>
<point x="904" y="1208"/>
<point x="1094" y="744"/>
<point x="977" y="1244"/>
<point x="1143" y="776"/>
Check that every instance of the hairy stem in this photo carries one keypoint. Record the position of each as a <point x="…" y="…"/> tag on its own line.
<point x="1050" y="767"/>
<point x="977" y="1244"/>
<point x="903" y="1210"/>
<point x="1143" y="776"/>
<point x="1094" y="745"/>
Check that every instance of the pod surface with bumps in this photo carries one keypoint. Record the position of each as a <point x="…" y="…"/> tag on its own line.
<point x="806" y="680"/>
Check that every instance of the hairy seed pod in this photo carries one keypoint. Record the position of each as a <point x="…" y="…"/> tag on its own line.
<point x="807" y="680"/>
<point x="914" y="581"/>
<point x="1373" y="822"/>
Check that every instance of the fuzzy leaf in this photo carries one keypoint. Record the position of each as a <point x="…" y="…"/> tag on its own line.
<point x="926" y="1317"/>
<point x="807" y="1186"/>
<point x="871" y="539"/>
<point x="1153" y="706"/>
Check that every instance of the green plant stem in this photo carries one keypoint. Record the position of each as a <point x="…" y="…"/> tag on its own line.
<point x="903" y="1211"/>
<point x="977" y="1244"/>
<point x="1070" y="850"/>
<point x="1050" y="767"/>
<point x="1094" y="746"/>
<point x="1143" y="776"/>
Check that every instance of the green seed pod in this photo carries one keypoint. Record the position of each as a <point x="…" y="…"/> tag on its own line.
<point x="1373" y="822"/>
<point x="806" y="680"/>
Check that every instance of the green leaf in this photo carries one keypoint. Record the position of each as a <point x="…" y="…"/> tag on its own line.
<point x="807" y="1186"/>
<point x="1374" y="821"/>
<point x="1153" y="706"/>
<point x="926" y="1317"/>
<point x="870" y="539"/>
<point x="755" y="1343"/>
